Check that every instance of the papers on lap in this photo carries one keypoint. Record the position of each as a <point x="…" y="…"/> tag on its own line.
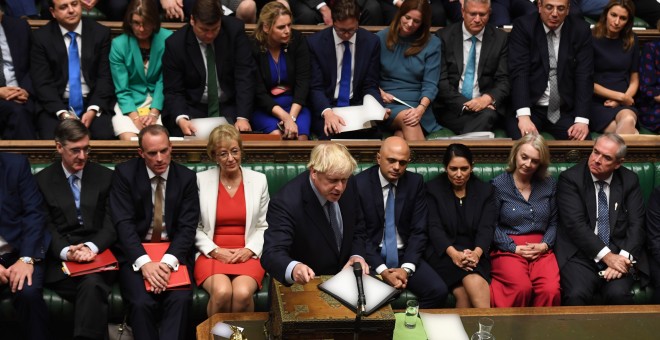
<point x="343" y="287"/>
<point x="360" y="116"/>
<point x="102" y="262"/>
<point x="178" y="279"/>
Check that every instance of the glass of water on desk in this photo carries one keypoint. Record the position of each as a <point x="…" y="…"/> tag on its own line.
<point x="485" y="328"/>
<point x="412" y="309"/>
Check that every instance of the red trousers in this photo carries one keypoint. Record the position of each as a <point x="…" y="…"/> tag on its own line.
<point x="517" y="282"/>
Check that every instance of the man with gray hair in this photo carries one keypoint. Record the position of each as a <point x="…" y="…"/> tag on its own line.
<point x="601" y="229"/>
<point x="315" y="224"/>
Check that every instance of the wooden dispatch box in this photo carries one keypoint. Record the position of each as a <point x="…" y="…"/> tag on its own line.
<point x="305" y="312"/>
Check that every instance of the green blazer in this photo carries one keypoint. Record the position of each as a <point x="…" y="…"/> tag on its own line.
<point x="131" y="83"/>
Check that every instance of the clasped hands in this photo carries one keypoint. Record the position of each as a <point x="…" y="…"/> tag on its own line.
<point x="531" y="251"/>
<point x="617" y="266"/>
<point x="466" y="259"/>
<point x="232" y="256"/>
<point x="158" y="275"/>
<point x="15" y="94"/>
<point x="302" y="274"/>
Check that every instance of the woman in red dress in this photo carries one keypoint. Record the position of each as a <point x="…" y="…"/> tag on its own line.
<point x="233" y="203"/>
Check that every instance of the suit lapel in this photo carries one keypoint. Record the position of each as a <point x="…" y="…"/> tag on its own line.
<point x="590" y="199"/>
<point x="316" y="213"/>
<point x="616" y="199"/>
<point x="88" y="195"/>
<point x="136" y="55"/>
<point x="377" y="194"/>
<point x="60" y="185"/>
<point x="457" y="41"/>
<point x="486" y="47"/>
<point x="143" y="187"/>
<point x="248" y="189"/>
<point x="400" y="198"/>
<point x="330" y="41"/>
<point x="86" y="50"/>
<point x="563" y="48"/>
<point x="212" y="185"/>
<point x="194" y="53"/>
<point x="221" y="45"/>
<point x="470" y="200"/>
<point x="59" y="48"/>
<point x="542" y="42"/>
<point x="172" y="192"/>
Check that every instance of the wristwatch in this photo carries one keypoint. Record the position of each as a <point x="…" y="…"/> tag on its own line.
<point x="27" y="260"/>
<point x="409" y="271"/>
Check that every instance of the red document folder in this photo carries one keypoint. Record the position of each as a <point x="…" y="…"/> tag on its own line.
<point x="102" y="262"/>
<point x="178" y="279"/>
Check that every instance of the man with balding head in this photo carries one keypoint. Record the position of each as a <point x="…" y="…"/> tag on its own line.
<point x="393" y="202"/>
<point x="315" y="224"/>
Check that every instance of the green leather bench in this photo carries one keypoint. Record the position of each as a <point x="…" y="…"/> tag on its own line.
<point x="278" y="174"/>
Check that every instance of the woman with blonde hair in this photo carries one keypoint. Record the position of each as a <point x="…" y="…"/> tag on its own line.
<point x="524" y="268"/>
<point x="230" y="236"/>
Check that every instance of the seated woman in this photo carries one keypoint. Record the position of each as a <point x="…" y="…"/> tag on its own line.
<point x="616" y="79"/>
<point x="233" y="203"/>
<point x="410" y="70"/>
<point x="135" y="63"/>
<point x="524" y="267"/>
<point x="461" y="215"/>
<point x="648" y="100"/>
<point x="283" y="72"/>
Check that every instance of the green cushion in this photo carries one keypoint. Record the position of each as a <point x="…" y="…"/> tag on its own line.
<point x="443" y="133"/>
<point x="639" y="22"/>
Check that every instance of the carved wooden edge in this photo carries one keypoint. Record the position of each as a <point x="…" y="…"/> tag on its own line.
<point x="644" y="35"/>
<point x="297" y="152"/>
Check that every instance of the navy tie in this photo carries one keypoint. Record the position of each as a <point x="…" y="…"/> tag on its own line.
<point x="343" y="98"/>
<point x="603" y="214"/>
<point x="76" y="194"/>
<point x="468" y="80"/>
<point x="75" y="87"/>
<point x="334" y="222"/>
<point x="389" y="251"/>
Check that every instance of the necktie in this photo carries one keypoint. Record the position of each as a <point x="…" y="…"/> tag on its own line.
<point x="76" y="193"/>
<point x="3" y="80"/>
<point x="468" y="80"/>
<point x="75" y="87"/>
<point x="389" y="251"/>
<point x="212" y="83"/>
<point x="603" y="214"/>
<point x="334" y="222"/>
<point x="554" y="101"/>
<point x="158" y="211"/>
<point x="343" y="98"/>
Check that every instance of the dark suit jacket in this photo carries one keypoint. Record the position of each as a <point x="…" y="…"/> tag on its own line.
<point x="132" y="210"/>
<point x="444" y="224"/>
<point x="62" y="218"/>
<point x="299" y="230"/>
<point x="529" y="64"/>
<point x="184" y="73"/>
<point x="576" y="200"/>
<point x="296" y="54"/>
<point x="22" y="220"/>
<point x="50" y="66"/>
<point x="492" y="74"/>
<point x="366" y="71"/>
<point x="18" y="34"/>
<point x="410" y="214"/>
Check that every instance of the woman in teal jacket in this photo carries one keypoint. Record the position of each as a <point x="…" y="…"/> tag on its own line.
<point x="135" y="62"/>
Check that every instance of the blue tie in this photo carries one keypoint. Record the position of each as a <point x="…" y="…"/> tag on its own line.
<point x="343" y="98"/>
<point x="468" y="80"/>
<point x="389" y="251"/>
<point x="75" y="88"/>
<point x="76" y="194"/>
<point x="334" y="223"/>
<point x="603" y="215"/>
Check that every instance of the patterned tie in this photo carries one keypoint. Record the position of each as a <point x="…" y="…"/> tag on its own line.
<point x="3" y="80"/>
<point x="158" y="211"/>
<point x="212" y="83"/>
<point x="389" y="251"/>
<point x="75" y="87"/>
<point x="554" y="101"/>
<point x="603" y="214"/>
<point x="334" y="222"/>
<point x="343" y="98"/>
<point x="76" y="194"/>
<point x="468" y="80"/>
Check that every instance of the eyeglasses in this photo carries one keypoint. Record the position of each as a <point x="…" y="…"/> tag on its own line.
<point x="224" y="155"/>
<point x="341" y="31"/>
<point x="137" y="24"/>
<point x="77" y="151"/>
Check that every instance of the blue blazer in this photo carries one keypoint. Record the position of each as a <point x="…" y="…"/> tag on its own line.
<point x="131" y="83"/>
<point x="132" y="210"/>
<point x="366" y="71"/>
<point x="299" y="230"/>
<point x="529" y="64"/>
<point x="17" y="32"/>
<point x="410" y="214"/>
<point x="22" y="220"/>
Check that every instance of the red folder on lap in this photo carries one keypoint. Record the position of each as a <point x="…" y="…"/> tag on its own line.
<point x="179" y="280"/>
<point x="102" y="262"/>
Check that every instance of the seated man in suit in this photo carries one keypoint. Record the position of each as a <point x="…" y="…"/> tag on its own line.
<point x="393" y="202"/>
<point x="16" y="100"/>
<point x="75" y="195"/>
<point x="71" y="72"/>
<point x="653" y="229"/>
<point x="208" y="71"/>
<point x="316" y="12"/>
<point x="155" y="200"/>
<point x="601" y="229"/>
<point x="474" y="83"/>
<point x="551" y="83"/>
<point x="23" y="244"/>
<point x="357" y="53"/>
<point x="315" y="223"/>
